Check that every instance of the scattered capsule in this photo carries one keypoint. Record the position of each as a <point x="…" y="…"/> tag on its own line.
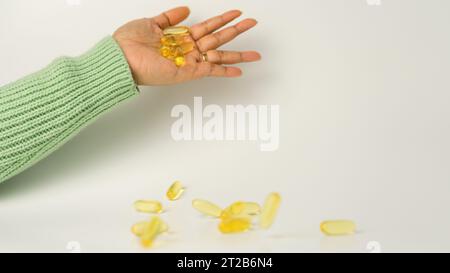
<point x="148" y="206"/>
<point x="338" y="227"/>
<point x="251" y="208"/>
<point x="139" y="228"/>
<point x="269" y="210"/>
<point x="241" y="210"/>
<point x="207" y="207"/>
<point x="151" y="231"/>
<point x="234" y="225"/>
<point x="175" y="190"/>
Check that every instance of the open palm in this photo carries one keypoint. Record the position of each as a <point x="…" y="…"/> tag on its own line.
<point x="140" y="42"/>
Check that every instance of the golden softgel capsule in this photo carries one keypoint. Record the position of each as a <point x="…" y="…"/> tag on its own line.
<point x="207" y="208"/>
<point x="151" y="231"/>
<point x="338" y="227"/>
<point x="269" y="210"/>
<point x="241" y="210"/>
<point x="234" y="225"/>
<point x="175" y="190"/>
<point x="175" y="44"/>
<point x="246" y="208"/>
<point x="176" y="30"/>
<point x="148" y="206"/>
<point x="139" y="228"/>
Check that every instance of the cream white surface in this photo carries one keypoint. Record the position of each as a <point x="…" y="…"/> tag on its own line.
<point x="364" y="131"/>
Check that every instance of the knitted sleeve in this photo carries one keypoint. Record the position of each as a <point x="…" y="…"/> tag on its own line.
<point x="44" y="110"/>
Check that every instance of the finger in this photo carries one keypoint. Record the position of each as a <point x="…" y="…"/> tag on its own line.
<point x="232" y="57"/>
<point x="207" y="69"/>
<point x="172" y="17"/>
<point x="215" y="40"/>
<point x="212" y="24"/>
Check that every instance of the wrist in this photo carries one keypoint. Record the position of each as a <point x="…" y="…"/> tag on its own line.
<point x="123" y="45"/>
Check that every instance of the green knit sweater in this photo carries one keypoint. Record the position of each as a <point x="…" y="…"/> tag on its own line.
<point x="44" y="110"/>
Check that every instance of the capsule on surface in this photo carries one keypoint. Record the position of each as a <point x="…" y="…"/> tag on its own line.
<point x="151" y="231"/>
<point x="234" y="225"/>
<point x="269" y="210"/>
<point x="241" y="209"/>
<point x="338" y="227"/>
<point x="175" y="190"/>
<point x="148" y="206"/>
<point x="250" y="208"/>
<point x="207" y="207"/>
<point x="139" y="228"/>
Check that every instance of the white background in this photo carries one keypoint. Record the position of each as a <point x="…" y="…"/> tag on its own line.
<point x="364" y="131"/>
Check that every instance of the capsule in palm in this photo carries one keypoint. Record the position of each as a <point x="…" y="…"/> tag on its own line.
<point x="176" y="42"/>
<point x="176" y="30"/>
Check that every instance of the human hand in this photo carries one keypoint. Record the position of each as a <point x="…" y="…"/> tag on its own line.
<point x="140" y="42"/>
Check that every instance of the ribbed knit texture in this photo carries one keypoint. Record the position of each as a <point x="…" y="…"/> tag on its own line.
<point x="44" y="110"/>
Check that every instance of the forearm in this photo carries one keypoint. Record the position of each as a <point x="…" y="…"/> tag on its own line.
<point x="41" y="112"/>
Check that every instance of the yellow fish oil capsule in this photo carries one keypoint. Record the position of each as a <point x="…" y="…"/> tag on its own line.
<point x="151" y="231"/>
<point x="207" y="207"/>
<point x="175" y="44"/>
<point x="176" y="30"/>
<point x="338" y="227"/>
<point x="269" y="210"/>
<point x="176" y="40"/>
<point x="175" y="190"/>
<point x="241" y="210"/>
<point x="186" y="47"/>
<point x="148" y="206"/>
<point x="234" y="225"/>
<point x="180" y="61"/>
<point x="139" y="228"/>
<point x="169" y="40"/>
<point x="248" y="208"/>
<point x="166" y="51"/>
